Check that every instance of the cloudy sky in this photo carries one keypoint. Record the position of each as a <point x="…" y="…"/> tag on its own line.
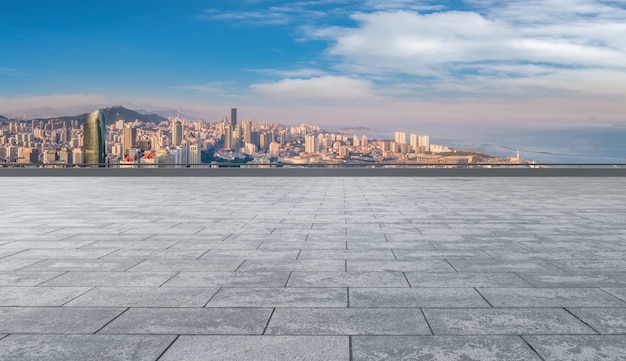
<point x="332" y="62"/>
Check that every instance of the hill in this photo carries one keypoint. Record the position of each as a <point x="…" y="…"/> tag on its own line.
<point x="112" y="115"/>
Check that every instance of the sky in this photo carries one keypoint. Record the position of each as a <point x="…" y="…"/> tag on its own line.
<point x="372" y="63"/>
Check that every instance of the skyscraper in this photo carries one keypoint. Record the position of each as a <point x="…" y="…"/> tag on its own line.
<point x="177" y="133"/>
<point x="233" y="117"/>
<point x="128" y="141"/>
<point x="94" y="138"/>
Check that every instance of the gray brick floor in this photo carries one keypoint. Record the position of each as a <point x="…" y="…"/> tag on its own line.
<point x="333" y="268"/>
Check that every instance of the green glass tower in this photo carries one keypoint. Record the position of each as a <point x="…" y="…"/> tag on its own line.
<point x="94" y="139"/>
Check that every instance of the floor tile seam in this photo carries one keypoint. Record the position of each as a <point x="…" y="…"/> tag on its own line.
<point x="432" y="332"/>
<point x="450" y="264"/>
<point x="581" y="320"/>
<point x="236" y="269"/>
<point x="89" y="290"/>
<point x="169" y="279"/>
<point x="111" y="320"/>
<point x="532" y="348"/>
<point x="16" y="252"/>
<point x="213" y="296"/>
<point x="167" y="348"/>
<point x="42" y="284"/>
<point x="133" y="266"/>
<point x="407" y="279"/>
<point x="612" y="295"/>
<point x="168" y="247"/>
<point x="267" y="324"/>
<point x="288" y="278"/>
<point x="108" y="254"/>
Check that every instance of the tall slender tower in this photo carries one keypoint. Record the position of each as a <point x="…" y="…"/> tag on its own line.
<point x="233" y="117"/>
<point x="177" y="133"/>
<point x="94" y="139"/>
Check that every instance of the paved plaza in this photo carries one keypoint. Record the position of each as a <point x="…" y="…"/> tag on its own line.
<point x="328" y="268"/>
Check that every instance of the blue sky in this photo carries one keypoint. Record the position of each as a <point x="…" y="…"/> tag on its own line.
<point x="332" y="62"/>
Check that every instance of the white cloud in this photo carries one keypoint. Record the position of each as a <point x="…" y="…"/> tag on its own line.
<point x="292" y="73"/>
<point x="211" y="87"/>
<point x="318" y="88"/>
<point x="534" y="43"/>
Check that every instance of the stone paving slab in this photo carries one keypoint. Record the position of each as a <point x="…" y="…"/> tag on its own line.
<point x="16" y="264"/>
<point x="258" y="348"/>
<point x="82" y="265"/>
<point x="250" y="254"/>
<point x="571" y="280"/>
<point x="202" y="244"/>
<point x="499" y="280"/>
<point x="83" y="347"/>
<point x="254" y="265"/>
<point x="399" y="266"/>
<point x="350" y="254"/>
<point x="144" y="297"/>
<point x="55" y="319"/>
<point x="504" y="321"/>
<point x="550" y="297"/>
<point x="280" y="297"/>
<point x="416" y="297"/>
<point x="441" y="348"/>
<point x="377" y="244"/>
<point x="147" y="244"/>
<point x="217" y="265"/>
<point x="64" y="253"/>
<point x="283" y="245"/>
<point x="141" y="254"/>
<point x="579" y="348"/>
<point x="200" y="321"/>
<point x="489" y="265"/>
<point x="228" y="279"/>
<point x="26" y="278"/>
<point x="587" y="266"/>
<point x="39" y="296"/>
<point x="347" y="279"/>
<point x="409" y="254"/>
<point x="104" y="279"/>
<point x="347" y="321"/>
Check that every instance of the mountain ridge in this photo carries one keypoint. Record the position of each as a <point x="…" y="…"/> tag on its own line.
<point x="111" y="115"/>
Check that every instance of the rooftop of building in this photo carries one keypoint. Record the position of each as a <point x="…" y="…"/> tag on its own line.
<point x="312" y="268"/>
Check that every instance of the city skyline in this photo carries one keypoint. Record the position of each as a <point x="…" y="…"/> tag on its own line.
<point x="176" y="141"/>
<point x="329" y="62"/>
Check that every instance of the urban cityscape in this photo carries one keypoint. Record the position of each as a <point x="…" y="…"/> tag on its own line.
<point x="178" y="142"/>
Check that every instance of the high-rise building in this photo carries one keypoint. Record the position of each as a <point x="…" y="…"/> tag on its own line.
<point x="194" y="155"/>
<point x="78" y="156"/>
<point x="400" y="137"/>
<point x="311" y="144"/>
<point x="233" y="117"/>
<point x="228" y="138"/>
<point x="177" y="133"/>
<point x="129" y="137"/>
<point x="424" y="143"/>
<point x="94" y="138"/>
<point x="247" y="132"/>
<point x="274" y="149"/>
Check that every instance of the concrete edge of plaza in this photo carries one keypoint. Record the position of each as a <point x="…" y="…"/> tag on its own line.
<point x="314" y="172"/>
